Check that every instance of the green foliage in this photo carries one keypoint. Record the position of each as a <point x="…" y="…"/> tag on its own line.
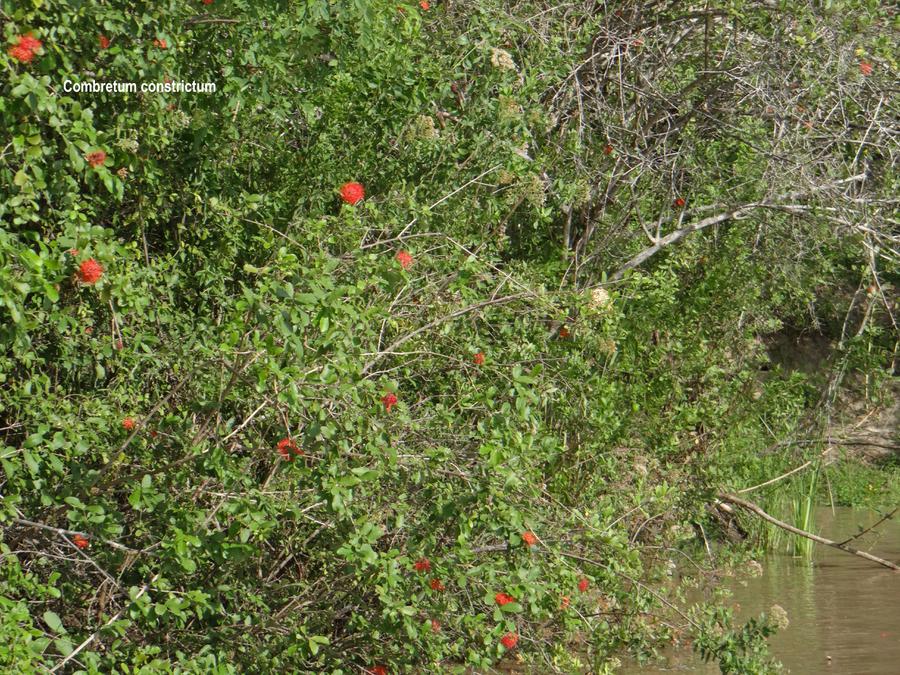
<point x="742" y="650"/>
<point x="241" y="304"/>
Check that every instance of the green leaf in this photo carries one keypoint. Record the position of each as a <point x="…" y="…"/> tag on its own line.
<point x="63" y="645"/>
<point x="53" y="622"/>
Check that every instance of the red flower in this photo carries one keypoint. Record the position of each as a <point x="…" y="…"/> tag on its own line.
<point x="377" y="670"/>
<point x="422" y="565"/>
<point x="425" y="5"/>
<point x="207" y="2"/>
<point x="285" y="447"/>
<point x="503" y="599"/>
<point x="120" y="345"/>
<point x="80" y="541"/>
<point x="96" y="158"/>
<point x="435" y="626"/>
<point x="353" y="192"/>
<point x="436" y="584"/>
<point x="160" y="43"/>
<point x="529" y="538"/>
<point x="89" y="330"/>
<point x="678" y="203"/>
<point x="509" y="640"/>
<point x="583" y="584"/>
<point x="25" y="47"/>
<point x="564" y="332"/>
<point x="564" y="603"/>
<point x="608" y="150"/>
<point x="405" y="259"/>
<point x="128" y="424"/>
<point x="389" y="400"/>
<point x="104" y="42"/>
<point x="478" y="359"/>
<point x="89" y="272"/>
<point x="19" y="53"/>
<point x="865" y="67"/>
<point x="154" y="433"/>
<point x="30" y="43"/>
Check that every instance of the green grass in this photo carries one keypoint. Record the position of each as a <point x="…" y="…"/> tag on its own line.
<point x="802" y="500"/>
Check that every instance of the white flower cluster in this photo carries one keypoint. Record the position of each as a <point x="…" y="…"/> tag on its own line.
<point x="423" y="128"/>
<point x="779" y="616"/>
<point x="600" y="299"/>
<point x="500" y="58"/>
<point x="128" y="145"/>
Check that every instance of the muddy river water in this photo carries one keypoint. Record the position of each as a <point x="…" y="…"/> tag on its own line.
<point x="844" y="611"/>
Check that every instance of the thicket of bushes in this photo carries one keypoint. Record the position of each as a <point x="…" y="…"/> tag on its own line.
<point x="248" y="426"/>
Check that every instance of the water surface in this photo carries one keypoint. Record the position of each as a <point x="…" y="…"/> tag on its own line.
<point x="844" y="611"/>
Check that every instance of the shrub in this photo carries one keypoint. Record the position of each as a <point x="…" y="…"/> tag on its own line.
<point x="268" y="349"/>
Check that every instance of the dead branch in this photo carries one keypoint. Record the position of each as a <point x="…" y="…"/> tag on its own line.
<point x="750" y="506"/>
<point x="733" y="214"/>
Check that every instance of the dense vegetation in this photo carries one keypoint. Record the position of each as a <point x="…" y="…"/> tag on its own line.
<point x="252" y="422"/>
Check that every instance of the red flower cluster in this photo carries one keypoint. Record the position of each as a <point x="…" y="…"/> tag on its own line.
<point x="564" y="603"/>
<point x="353" y="192"/>
<point x="160" y="43"/>
<point x="678" y="203"/>
<point x="128" y="424"/>
<point x="436" y="584"/>
<point x="583" y="584"/>
<point x="422" y="565"/>
<point x="104" y="42"/>
<point x="425" y="5"/>
<point x="389" y="400"/>
<point x="24" y="49"/>
<point x="478" y="359"/>
<point x="285" y="447"/>
<point x="96" y="158"/>
<point x="435" y="626"/>
<point x="510" y="640"/>
<point x="529" y="538"/>
<point x="503" y="599"/>
<point x="89" y="272"/>
<point x="608" y="150"/>
<point x="377" y="670"/>
<point x="80" y="541"/>
<point x="865" y="67"/>
<point x="564" y="333"/>
<point x="207" y="2"/>
<point x="405" y="259"/>
<point x="19" y="53"/>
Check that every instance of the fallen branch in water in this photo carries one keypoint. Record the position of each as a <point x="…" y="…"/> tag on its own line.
<point x="750" y="506"/>
<point x="885" y="517"/>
